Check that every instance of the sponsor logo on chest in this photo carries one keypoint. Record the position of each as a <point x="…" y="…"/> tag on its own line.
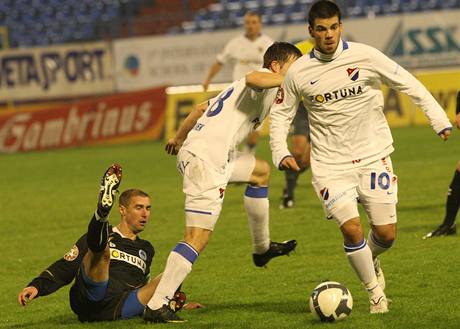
<point x="337" y="94"/>
<point x="119" y="255"/>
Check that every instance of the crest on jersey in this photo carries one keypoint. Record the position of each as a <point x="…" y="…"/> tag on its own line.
<point x="72" y="254"/>
<point x="353" y="74"/>
<point x="221" y="192"/>
<point x="279" y="96"/>
<point x="142" y="254"/>
<point x="324" y="193"/>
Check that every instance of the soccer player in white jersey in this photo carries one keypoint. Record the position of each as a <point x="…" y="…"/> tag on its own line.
<point x="208" y="161"/>
<point x="245" y="52"/>
<point x="351" y="141"/>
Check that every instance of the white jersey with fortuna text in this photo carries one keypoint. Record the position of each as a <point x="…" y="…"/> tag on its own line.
<point x="229" y="118"/>
<point x="246" y="55"/>
<point x="342" y="93"/>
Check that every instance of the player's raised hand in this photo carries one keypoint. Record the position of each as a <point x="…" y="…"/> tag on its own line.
<point x="173" y="146"/>
<point x="289" y="163"/>
<point x="445" y="134"/>
<point x="26" y="295"/>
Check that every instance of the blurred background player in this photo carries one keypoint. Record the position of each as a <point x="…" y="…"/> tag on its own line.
<point x="448" y="226"/>
<point x="103" y="250"/>
<point x="351" y="140"/>
<point x="300" y="142"/>
<point x="245" y="52"/>
<point x="208" y="161"/>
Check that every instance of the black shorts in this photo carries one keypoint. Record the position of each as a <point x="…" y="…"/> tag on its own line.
<point x="109" y="308"/>
<point x="299" y="125"/>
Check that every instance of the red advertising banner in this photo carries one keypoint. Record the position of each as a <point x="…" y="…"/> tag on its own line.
<point x="128" y="117"/>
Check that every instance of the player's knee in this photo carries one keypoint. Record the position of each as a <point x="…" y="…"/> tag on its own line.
<point x="262" y="175"/>
<point x="386" y="236"/>
<point x="198" y="238"/>
<point x="352" y="231"/>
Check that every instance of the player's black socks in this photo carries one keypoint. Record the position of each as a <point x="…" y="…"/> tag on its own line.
<point x="98" y="233"/>
<point x="453" y="200"/>
<point x="291" y="183"/>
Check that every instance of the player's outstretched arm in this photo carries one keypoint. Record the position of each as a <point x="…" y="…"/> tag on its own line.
<point x="263" y="80"/>
<point x="174" y="144"/>
<point x="27" y="294"/>
<point x="215" y="68"/>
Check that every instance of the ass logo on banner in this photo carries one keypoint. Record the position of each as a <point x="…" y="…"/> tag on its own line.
<point x="430" y="46"/>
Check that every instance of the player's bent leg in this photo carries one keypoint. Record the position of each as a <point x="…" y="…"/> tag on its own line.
<point x="96" y="265"/>
<point x="257" y="209"/>
<point x="96" y="261"/>
<point x="178" y="266"/>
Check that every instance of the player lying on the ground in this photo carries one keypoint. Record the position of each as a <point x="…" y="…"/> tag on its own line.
<point x="208" y="161"/>
<point x="110" y="264"/>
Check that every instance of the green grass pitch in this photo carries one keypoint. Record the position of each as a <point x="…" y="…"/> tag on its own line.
<point x="46" y="201"/>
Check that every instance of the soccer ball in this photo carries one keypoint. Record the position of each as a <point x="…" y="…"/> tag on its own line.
<point x="331" y="301"/>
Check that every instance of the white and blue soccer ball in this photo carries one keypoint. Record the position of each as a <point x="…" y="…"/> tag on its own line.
<point x="331" y="301"/>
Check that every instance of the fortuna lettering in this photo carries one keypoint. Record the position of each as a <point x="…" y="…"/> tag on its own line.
<point x="337" y="94"/>
<point x="127" y="258"/>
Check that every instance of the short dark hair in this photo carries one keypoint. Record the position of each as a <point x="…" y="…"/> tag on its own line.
<point x="323" y="9"/>
<point x="127" y="195"/>
<point x="281" y="52"/>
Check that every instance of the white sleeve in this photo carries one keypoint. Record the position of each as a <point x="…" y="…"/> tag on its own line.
<point x="225" y="56"/>
<point x="398" y="78"/>
<point x="282" y="113"/>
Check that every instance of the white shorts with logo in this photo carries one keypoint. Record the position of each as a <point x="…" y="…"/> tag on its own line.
<point x="375" y="186"/>
<point x="204" y="185"/>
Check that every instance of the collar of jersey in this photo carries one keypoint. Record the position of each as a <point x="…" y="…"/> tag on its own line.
<point x="326" y="57"/>
<point x="258" y="36"/>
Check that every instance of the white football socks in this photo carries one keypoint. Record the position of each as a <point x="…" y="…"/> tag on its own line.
<point x="257" y="209"/>
<point x="361" y="260"/>
<point x="176" y="270"/>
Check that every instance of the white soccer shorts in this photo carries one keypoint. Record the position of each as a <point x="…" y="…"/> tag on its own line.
<point x="371" y="184"/>
<point x="204" y="186"/>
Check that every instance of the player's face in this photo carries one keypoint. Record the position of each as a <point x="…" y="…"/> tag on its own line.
<point x="252" y="25"/>
<point x="326" y="32"/>
<point x="137" y="213"/>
